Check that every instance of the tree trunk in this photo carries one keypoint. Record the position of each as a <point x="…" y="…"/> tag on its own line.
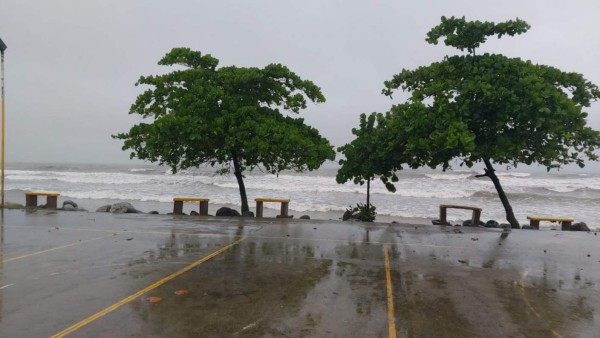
<point x="240" y="179"/>
<point x="510" y="216"/>
<point x="368" y="193"/>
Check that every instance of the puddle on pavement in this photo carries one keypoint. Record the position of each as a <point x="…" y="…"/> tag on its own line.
<point x="233" y="296"/>
<point x="424" y="309"/>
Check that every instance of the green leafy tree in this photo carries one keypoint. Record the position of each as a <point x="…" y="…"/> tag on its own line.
<point x="491" y="108"/>
<point x="228" y="117"/>
<point x="364" y="158"/>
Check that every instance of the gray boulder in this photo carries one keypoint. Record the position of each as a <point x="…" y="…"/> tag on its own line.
<point x="491" y="224"/>
<point x="247" y="214"/>
<point x="228" y="212"/>
<point x="104" y="208"/>
<point x="468" y="223"/>
<point x="347" y="215"/>
<point x="304" y="217"/>
<point x="194" y="213"/>
<point x="71" y="203"/>
<point x="123" y="208"/>
<point x="69" y="207"/>
<point x="581" y="226"/>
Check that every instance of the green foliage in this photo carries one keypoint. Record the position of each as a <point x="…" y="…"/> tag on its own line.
<point x="228" y="117"/>
<point x="469" y="35"/>
<point x="491" y="107"/>
<point x="373" y="152"/>
<point x="361" y="155"/>
<point x="363" y="212"/>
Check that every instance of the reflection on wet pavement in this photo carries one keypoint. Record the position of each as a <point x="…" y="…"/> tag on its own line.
<point x="292" y="278"/>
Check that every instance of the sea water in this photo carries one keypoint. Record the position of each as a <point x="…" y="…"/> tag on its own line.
<point x="572" y="194"/>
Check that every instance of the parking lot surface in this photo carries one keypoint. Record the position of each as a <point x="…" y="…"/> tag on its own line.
<point x="102" y="275"/>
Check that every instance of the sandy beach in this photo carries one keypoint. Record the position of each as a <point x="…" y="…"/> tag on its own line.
<point x="97" y="274"/>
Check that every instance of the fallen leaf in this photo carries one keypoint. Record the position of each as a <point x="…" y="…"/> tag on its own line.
<point x="153" y="299"/>
<point x="462" y="261"/>
<point x="181" y="292"/>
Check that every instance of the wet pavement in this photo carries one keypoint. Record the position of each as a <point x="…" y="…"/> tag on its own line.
<point x="102" y="275"/>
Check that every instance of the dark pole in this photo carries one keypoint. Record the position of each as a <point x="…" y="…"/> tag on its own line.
<point x="2" y="49"/>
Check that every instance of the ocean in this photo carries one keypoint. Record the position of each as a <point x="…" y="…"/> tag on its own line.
<point x="419" y="193"/>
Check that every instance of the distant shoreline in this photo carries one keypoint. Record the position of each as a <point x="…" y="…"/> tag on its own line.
<point x="90" y="206"/>
<point x="316" y="193"/>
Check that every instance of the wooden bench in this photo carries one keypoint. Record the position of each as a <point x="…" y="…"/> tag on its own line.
<point x="564" y="222"/>
<point x="178" y="204"/>
<point x="260" y="201"/>
<point x="475" y="217"/>
<point x="31" y="198"/>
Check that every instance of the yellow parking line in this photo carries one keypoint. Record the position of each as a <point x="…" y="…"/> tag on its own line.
<point x="149" y="288"/>
<point x="53" y="249"/>
<point x="526" y="300"/>
<point x="390" y="295"/>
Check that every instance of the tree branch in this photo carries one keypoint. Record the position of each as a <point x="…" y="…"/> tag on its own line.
<point x="487" y="173"/>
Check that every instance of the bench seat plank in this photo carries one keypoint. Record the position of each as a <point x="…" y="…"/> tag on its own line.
<point x="451" y="206"/>
<point x="550" y="219"/>
<point x="190" y="199"/>
<point x="41" y="193"/>
<point x="271" y="200"/>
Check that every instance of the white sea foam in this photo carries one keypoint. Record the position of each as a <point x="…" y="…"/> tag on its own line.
<point x="418" y="194"/>
<point x="448" y="176"/>
<point x="512" y="174"/>
<point x="137" y="170"/>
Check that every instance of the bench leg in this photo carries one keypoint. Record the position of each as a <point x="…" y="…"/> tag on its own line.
<point x="565" y="226"/>
<point x="31" y="201"/>
<point x="177" y="207"/>
<point x="534" y="224"/>
<point x="476" y="218"/>
<point x="204" y="208"/>
<point x="259" y="209"/>
<point x="51" y="202"/>
<point x="443" y="216"/>
<point x="284" y="209"/>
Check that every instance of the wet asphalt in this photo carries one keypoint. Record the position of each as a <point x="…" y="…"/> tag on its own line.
<point x="102" y="275"/>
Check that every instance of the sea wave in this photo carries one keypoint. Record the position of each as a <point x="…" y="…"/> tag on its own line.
<point x="142" y="170"/>
<point x="418" y="194"/>
<point x="513" y="174"/>
<point x="542" y="194"/>
<point x="448" y="176"/>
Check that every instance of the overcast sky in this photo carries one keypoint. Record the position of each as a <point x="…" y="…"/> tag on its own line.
<point x="71" y="65"/>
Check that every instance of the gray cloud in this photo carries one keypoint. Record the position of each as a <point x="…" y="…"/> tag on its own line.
<point x="71" y="65"/>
